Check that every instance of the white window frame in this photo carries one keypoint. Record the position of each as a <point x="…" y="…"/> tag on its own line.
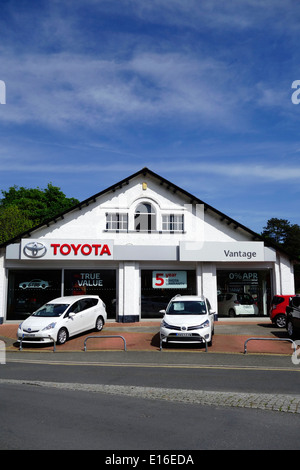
<point x="173" y="223"/>
<point x="116" y="222"/>
<point x="146" y="221"/>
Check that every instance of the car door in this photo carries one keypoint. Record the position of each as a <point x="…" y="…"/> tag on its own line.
<point x="73" y="319"/>
<point x="88" y="314"/>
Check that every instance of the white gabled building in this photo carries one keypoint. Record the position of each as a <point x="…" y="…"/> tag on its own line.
<point x="137" y="244"/>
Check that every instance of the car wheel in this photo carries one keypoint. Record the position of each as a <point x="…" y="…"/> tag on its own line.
<point x="62" y="336"/>
<point x="280" y="321"/>
<point x="290" y="329"/>
<point x="231" y="313"/>
<point x="99" y="324"/>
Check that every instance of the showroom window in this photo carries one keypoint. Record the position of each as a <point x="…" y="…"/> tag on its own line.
<point x="158" y="287"/>
<point x="144" y="218"/>
<point x="172" y="223"/>
<point x="93" y="282"/>
<point x="117" y="222"/>
<point x="256" y="284"/>
<point x="29" y="290"/>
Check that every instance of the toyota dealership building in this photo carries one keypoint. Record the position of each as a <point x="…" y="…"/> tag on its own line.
<point x="136" y="245"/>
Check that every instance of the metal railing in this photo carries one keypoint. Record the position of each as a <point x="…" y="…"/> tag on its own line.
<point x="109" y="336"/>
<point x="269" y="339"/>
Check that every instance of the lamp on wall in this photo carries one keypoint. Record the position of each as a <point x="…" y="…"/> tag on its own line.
<point x="144" y="186"/>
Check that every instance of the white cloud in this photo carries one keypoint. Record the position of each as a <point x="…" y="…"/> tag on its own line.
<point x="233" y="15"/>
<point x="239" y="174"/>
<point x="245" y="171"/>
<point x="63" y="89"/>
<point x="199" y="81"/>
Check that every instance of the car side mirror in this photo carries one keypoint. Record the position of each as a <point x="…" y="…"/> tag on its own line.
<point x="71" y="314"/>
<point x="162" y="312"/>
<point x="212" y="312"/>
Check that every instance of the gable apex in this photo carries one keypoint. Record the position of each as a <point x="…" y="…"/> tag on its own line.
<point x="166" y="184"/>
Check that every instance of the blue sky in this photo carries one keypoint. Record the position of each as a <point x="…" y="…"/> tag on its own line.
<point x="199" y="91"/>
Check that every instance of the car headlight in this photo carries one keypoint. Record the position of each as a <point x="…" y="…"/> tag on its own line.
<point x="204" y="324"/>
<point x="166" y="325"/>
<point x="20" y="326"/>
<point x="49" y="327"/>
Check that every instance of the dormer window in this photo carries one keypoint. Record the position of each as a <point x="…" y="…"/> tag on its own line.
<point x="144" y="218"/>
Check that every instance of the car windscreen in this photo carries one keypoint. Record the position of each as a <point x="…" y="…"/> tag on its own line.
<point x="245" y="299"/>
<point x="51" y="310"/>
<point x="187" y="308"/>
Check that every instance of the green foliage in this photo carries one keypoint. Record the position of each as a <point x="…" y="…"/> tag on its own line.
<point x="37" y="204"/>
<point x="285" y="235"/>
<point x="12" y="222"/>
<point x="31" y="207"/>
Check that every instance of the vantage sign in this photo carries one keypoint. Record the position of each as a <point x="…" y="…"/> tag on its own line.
<point x="222" y="251"/>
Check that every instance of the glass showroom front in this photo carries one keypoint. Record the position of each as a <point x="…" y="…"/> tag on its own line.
<point x="256" y="283"/>
<point x="159" y="286"/>
<point x="30" y="289"/>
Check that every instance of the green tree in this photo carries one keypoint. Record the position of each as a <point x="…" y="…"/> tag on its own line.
<point x="276" y="230"/>
<point x="30" y="207"/>
<point x="37" y="204"/>
<point x="12" y="222"/>
<point x="284" y="234"/>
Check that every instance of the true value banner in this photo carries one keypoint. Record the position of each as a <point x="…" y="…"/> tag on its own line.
<point x="66" y="249"/>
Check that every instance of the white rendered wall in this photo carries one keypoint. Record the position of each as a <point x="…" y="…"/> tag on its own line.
<point x="2" y="286"/>
<point x="286" y="273"/>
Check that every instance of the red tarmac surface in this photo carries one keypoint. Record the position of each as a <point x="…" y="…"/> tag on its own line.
<point x="229" y="337"/>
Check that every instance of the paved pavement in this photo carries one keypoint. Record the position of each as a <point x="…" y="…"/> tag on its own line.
<point x="230" y="337"/>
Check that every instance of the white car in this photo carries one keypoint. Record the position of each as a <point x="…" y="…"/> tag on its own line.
<point x="62" y="318"/>
<point x="188" y="319"/>
<point x="231" y="304"/>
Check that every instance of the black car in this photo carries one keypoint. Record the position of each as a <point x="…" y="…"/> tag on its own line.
<point x="293" y="317"/>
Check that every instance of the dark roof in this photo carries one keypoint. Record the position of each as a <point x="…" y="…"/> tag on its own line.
<point x="145" y="172"/>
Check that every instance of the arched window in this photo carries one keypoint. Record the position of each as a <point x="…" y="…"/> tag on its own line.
<point x="144" y="218"/>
